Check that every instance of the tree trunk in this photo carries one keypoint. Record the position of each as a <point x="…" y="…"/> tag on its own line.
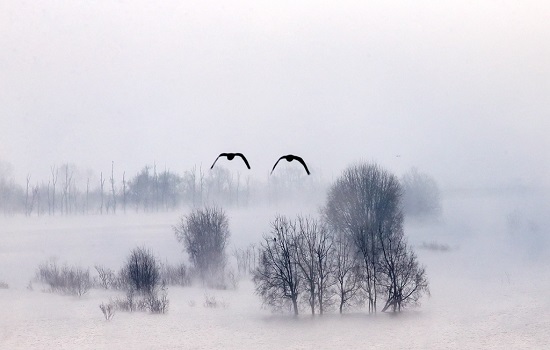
<point x="295" y="305"/>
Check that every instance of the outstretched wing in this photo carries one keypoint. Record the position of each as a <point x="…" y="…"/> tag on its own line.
<point x="302" y="162"/>
<point x="276" y="164"/>
<point x="221" y="155"/>
<point x="244" y="159"/>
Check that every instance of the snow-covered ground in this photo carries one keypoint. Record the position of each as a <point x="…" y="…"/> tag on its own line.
<point x="490" y="290"/>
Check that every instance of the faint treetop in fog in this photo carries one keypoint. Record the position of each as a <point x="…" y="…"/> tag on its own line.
<point x="421" y="195"/>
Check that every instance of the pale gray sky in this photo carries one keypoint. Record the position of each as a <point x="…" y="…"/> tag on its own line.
<point x="460" y="89"/>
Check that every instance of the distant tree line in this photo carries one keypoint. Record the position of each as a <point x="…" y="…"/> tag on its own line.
<point x="68" y="191"/>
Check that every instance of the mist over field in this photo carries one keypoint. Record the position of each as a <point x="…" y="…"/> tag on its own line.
<point x="112" y="113"/>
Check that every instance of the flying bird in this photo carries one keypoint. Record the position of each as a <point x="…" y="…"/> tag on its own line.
<point x="290" y="158"/>
<point x="230" y="156"/>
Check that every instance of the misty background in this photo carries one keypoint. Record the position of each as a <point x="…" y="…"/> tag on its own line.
<point x="458" y="89"/>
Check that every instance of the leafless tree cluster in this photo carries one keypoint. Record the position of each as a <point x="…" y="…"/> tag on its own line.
<point x="204" y="234"/>
<point x="356" y="255"/>
<point x="363" y="206"/>
<point x="295" y="260"/>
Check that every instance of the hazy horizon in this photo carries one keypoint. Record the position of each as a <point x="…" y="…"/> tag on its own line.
<point x="459" y="90"/>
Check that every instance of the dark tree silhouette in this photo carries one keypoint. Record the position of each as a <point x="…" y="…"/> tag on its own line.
<point x="277" y="278"/>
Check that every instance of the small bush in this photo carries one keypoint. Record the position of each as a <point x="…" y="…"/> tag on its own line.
<point x="210" y="301"/>
<point x="156" y="304"/>
<point x="3" y="285"/>
<point x="141" y="271"/>
<point x="107" y="278"/>
<point x="71" y="280"/>
<point x="108" y="310"/>
<point x="151" y="302"/>
<point x="123" y="304"/>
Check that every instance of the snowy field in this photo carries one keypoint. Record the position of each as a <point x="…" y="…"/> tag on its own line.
<point x="491" y="289"/>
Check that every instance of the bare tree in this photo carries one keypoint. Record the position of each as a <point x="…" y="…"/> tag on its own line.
<point x="346" y="271"/>
<point x="66" y="188"/>
<point x="54" y="172"/>
<point x="246" y="259"/>
<point x="124" y="192"/>
<point x="101" y="184"/>
<point x="87" y="194"/>
<point x="313" y="244"/>
<point x="27" y="204"/>
<point x="113" y="193"/>
<point x="36" y="199"/>
<point x="323" y="253"/>
<point x="277" y="277"/>
<point x="155" y="187"/>
<point x="404" y="281"/>
<point x="204" y="233"/>
<point x="305" y="241"/>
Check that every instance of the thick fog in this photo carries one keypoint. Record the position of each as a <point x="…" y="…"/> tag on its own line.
<point x="457" y="89"/>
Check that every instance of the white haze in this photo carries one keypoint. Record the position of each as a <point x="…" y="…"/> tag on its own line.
<point x="458" y="89"/>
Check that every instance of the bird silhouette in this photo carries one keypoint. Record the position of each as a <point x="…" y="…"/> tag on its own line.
<point x="290" y="158"/>
<point x="230" y="156"/>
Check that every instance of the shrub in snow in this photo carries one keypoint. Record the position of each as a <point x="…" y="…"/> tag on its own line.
<point x="72" y="280"/>
<point x="141" y="272"/>
<point x="3" y="285"/>
<point x="210" y="301"/>
<point x="204" y="234"/>
<point x="108" y="310"/>
<point x="106" y="277"/>
<point x="157" y="304"/>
